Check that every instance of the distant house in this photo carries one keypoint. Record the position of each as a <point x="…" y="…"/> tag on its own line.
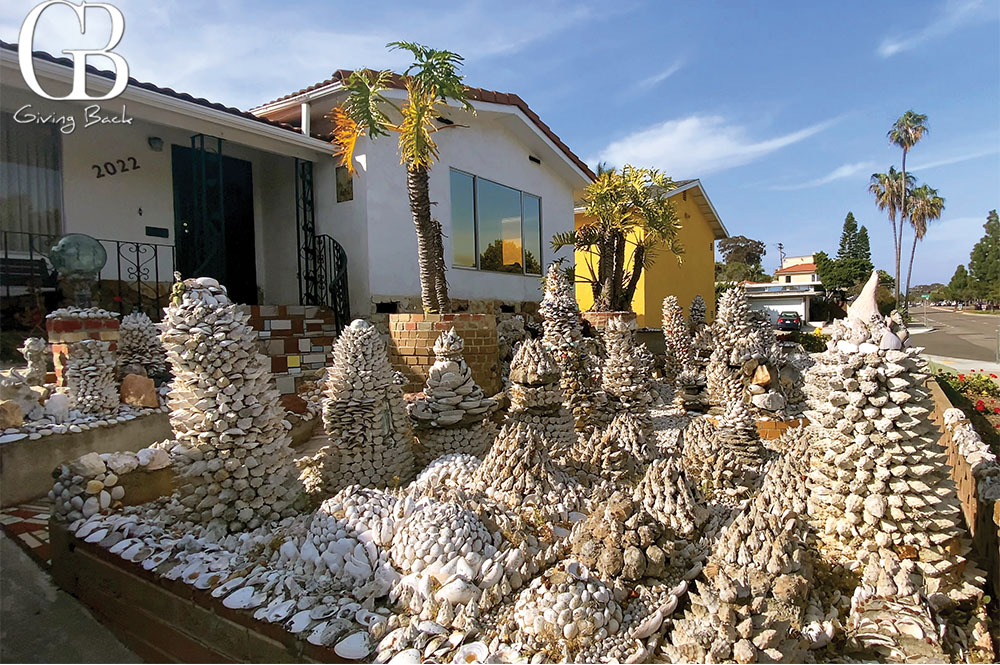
<point x="795" y="283"/>
<point x="701" y="227"/>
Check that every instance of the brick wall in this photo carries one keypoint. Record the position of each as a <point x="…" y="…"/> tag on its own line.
<point x="411" y="346"/>
<point x="599" y="320"/>
<point x="63" y="332"/>
<point x="981" y="516"/>
<point x="298" y="339"/>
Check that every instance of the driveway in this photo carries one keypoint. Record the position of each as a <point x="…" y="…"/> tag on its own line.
<point x="958" y="334"/>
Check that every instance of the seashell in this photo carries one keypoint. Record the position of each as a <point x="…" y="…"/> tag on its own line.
<point x="473" y="652"/>
<point x="368" y="619"/>
<point x="316" y="634"/>
<point x="406" y="657"/>
<point x="141" y="554"/>
<point x="649" y="625"/>
<point x="155" y="560"/>
<point x="227" y="587"/>
<point x="95" y="536"/>
<point x="320" y="612"/>
<point x="299" y="622"/>
<point x="241" y="598"/>
<point x="354" y="647"/>
<point x="123" y="545"/>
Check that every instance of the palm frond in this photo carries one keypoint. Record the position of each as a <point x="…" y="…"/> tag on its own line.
<point x="416" y="145"/>
<point x="345" y="137"/>
<point x="365" y="101"/>
<point x="437" y="72"/>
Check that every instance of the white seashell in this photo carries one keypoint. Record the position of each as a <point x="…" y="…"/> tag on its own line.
<point x="406" y="657"/>
<point x="155" y="560"/>
<point x="473" y="652"/>
<point x="96" y="536"/>
<point x="649" y="625"/>
<point x="226" y="587"/>
<point x="354" y="647"/>
<point x="299" y="622"/>
<point x="241" y="598"/>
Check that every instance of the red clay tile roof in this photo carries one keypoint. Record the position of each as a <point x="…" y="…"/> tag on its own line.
<point x="802" y="267"/>
<point x="475" y="94"/>
<point x="66" y="62"/>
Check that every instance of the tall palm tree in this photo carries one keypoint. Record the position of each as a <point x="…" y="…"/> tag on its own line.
<point x="925" y="206"/>
<point x="888" y="191"/>
<point x="430" y="82"/>
<point x="908" y="129"/>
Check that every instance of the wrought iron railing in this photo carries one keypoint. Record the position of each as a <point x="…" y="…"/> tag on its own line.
<point x="137" y="276"/>
<point x="331" y="269"/>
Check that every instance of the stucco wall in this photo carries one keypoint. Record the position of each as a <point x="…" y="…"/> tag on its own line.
<point x="694" y="276"/>
<point x="484" y="149"/>
<point x="108" y="207"/>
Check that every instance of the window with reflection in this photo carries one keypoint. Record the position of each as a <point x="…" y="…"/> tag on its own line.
<point x="495" y="227"/>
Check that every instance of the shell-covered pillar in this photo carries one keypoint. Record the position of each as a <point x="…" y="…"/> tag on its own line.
<point x="562" y="336"/>
<point x="538" y="428"/>
<point x="90" y="377"/>
<point x="232" y="450"/>
<point x="676" y="338"/>
<point x="364" y="415"/>
<point x="697" y="315"/>
<point x="452" y="415"/>
<point x="139" y="344"/>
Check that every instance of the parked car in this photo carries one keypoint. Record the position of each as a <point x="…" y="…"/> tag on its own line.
<point x="789" y="321"/>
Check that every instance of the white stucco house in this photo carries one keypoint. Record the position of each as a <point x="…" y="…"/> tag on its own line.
<point x="503" y="185"/>
<point x="252" y="198"/>
<point x="794" y="285"/>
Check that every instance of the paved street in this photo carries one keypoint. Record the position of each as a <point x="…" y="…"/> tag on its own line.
<point x="958" y="334"/>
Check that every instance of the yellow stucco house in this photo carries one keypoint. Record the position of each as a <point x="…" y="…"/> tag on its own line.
<point x="701" y="227"/>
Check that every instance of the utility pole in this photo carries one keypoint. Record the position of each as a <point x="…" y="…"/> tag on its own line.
<point x="781" y="255"/>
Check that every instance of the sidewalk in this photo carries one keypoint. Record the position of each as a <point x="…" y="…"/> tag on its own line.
<point x="41" y="624"/>
<point x="963" y="364"/>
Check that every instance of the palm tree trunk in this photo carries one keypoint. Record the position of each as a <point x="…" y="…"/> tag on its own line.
<point x="440" y="278"/>
<point x="909" y="271"/>
<point x="618" y="278"/>
<point x="633" y="281"/>
<point x="902" y="216"/>
<point x="420" y="209"/>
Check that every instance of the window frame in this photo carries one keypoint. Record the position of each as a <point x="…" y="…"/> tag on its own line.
<point x="475" y="225"/>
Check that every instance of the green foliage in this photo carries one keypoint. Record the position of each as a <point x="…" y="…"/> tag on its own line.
<point x="435" y="71"/>
<point x="814" y="342"/>
<point x="621" y="202"/>
<point x="908" y="129"/>
<point x="862" y="248"/>
<point x="973" y="383"/>
<point x="740" y="249"/>
<point x="720" y="288"/>
<point x="984" y="261"/>
<point x="740" y="272"/>
<point x="839" y="275"/>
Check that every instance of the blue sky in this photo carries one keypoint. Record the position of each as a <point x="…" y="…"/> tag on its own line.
<point x="781" y="108"/>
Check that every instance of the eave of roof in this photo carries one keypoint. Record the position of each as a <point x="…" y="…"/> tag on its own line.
<point x="475" y="94"/>
<point x="800" y="267"/>
<point x="168" y="92"/>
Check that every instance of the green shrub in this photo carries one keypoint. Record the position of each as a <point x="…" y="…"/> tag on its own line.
<point x="974" y="383"/>
<point x="814" y="342"/>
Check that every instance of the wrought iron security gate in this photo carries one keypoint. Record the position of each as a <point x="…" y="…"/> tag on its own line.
<point x="322" y="261"/>
<point x="208" y="231"/>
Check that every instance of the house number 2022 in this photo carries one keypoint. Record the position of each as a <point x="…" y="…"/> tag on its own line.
<point x="115" y="167"/>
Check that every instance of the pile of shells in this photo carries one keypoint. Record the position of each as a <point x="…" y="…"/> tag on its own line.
<point x="725" y="463"/>
<point x="232" y="444"/>
<point x="520" y="463"/>
<point x="446" y="475"/>
<point x="371" y="440"/>
<point x="36" y="353"/>
<point x="981" y="460"/>
<point x="667" y="495"/>
<point x="139" y="345"/>
<point x="510" y="333"/>
<point x="566" y="609"/>
<point x="754" y="604"/>
<point x="452" y="415"/>
<point x="696" y="315"/>
<point x="89" y="485"/>
<point x="562" y="336"/>
<point x="70" y="313"/>
<point x="90" y="377"/>
<point x="443" y="539"/>
<point x="15" y="388"/>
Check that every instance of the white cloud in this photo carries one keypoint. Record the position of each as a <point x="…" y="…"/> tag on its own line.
<point x="246" y="53"/>
<point x="697" y="145"/>
<point x="953" y="160"/>
<point x="839" y="173"/>
<point x="656" y="79"/>
<point x="954" y="15"/>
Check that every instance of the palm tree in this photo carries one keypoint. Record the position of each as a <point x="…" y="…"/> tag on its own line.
<point x="908" y="129"/>
<point x="888" y="191"/>
<point x="925" y="206"/>
<point x="430" y="81"/>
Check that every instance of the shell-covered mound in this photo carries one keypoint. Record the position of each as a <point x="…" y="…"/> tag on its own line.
<point x="232" y="444"/>
<point x="36" y="353"/>
<point x="364" y="415"/>
<point x="90" y="377"/>
<point x="139" y="344"/>
<point x="430" y="539"/>
<point x="668" y="497"/>
<point x="451" y="416"/>
<point x="562" y="336"/>
<point x="726" y="464"/>
<point x="676" y="337"/>
<point x="697" y="315"/>
<point x="519" y="466"/>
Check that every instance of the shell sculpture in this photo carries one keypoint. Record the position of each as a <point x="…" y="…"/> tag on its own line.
<point x="880" y="477"/>
<point x="36" y="352"/>
<point x="510" y="333"/>
<point x="676" y="337"/>
<point x="520" y="464"/>
<point x="232" y="442"/>
<point x="451" y="417"/>
<point x="562" y="336"/>
<point x="90" y="377"/>
<point x="139" y="344"/>
<point x="697" y="315"/>
<point x="371" y="439"/>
